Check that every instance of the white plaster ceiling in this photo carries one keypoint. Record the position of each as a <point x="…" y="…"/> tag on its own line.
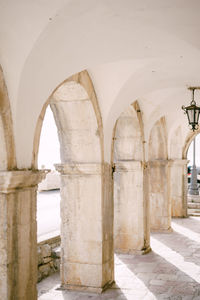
<point x="145" y="50"/>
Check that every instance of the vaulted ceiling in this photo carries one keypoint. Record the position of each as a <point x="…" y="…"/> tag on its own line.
<point x="146" y="50"/>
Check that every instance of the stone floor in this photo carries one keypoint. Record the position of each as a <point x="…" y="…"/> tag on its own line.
<point x="170" y="271"/>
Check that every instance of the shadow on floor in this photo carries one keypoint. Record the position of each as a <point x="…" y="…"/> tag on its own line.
<point x="171" y="271"/>
<point x="184" y="246"/>
<point x="191" y="223"/>
<point x="161" y="278"/>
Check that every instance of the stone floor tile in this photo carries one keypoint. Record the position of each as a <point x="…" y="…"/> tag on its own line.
<point x="165" y="269"/>
<point x="147" y="267"/>
<point x="162" y="297"/>
<point x="185" y="278"/>
<point x="146" y="277"/>
<point x="157" y="282"/>
<point x="183" y="290"/>
<point x="168" y="297"/>
<point x="158" y="289"/>
<point x="170" y="277"/>
<point x="188" y="297"/>
<point x="149" y="296"/>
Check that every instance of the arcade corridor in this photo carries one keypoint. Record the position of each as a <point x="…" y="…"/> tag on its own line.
<point x="170" y="271"/>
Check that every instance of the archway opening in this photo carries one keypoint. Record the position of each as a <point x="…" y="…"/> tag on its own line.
<point x="86" y="203"/>
<point x="193" y="177"/>
<point x="48" y="200"/>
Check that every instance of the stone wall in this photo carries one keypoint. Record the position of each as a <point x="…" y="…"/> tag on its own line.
<point x="51" y="182"/>
<point x="48" y="257"/>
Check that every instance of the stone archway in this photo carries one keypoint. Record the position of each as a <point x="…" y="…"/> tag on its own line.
<point x="7" y="149"/>
<point x="130" y="197"/>
<point x="87" y="260"/>
<point x="17" y="214"/>
<point x="178" y="175"/>
<point x="191" y="135"/>
<point x="160" y="206"/>
<point x="188" y="198"/>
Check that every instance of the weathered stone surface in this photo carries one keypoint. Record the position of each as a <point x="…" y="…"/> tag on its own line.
<point x="159" y="197"/>
<point x="45" y="250"/>
<point x="128" y="136"/>
<point x="160" y="204"/>
<point x="45" y="270"/>
<point x="56" y="252"/>
<point x="7" y="149"/>
<point x="131" y="210"/>
<point x="39" y="276"/>
<point x="131" y="233"/>
<point x="86" y="247"/>
<point x="40" y="258"/>
<point x="178" y="187"/>
<point x="19" y="245"/>
<point x="51" y="263"/>
<point x="57" y="263"/>
<point x="51" y="182"/>
<point x="47" y="260"/>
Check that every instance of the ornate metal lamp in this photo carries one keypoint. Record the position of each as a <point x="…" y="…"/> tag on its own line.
<point x="192" y="111"/>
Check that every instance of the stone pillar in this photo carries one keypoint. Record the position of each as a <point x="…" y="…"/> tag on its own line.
<point x="160" y="204"/>
<point x="178" y="187"/>
<point x="87" y="257"/>
<point x="131" y="209"/>
<point x="18" y="234"/>
<point x="194" y="187"/>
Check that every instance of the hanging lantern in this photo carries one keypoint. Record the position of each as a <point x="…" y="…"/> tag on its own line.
<point x="192" y="112"/>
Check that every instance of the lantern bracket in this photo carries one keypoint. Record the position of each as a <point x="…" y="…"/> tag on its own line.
<point x="192" y="111"/>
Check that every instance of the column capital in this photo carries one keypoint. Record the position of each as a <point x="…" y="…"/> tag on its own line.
<point x="79" y="168"/>
<point x="158" y="162"/>
<point x="178" y="162"/>
<point x="20" y="179"/>
<point x="129" y="165"/>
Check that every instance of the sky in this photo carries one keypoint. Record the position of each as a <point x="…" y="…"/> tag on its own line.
<point x="190" y="152"/>
<point x="49" y="149"/>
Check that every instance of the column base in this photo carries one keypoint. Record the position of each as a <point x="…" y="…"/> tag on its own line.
<point x="88" y="289"/>
<point x="181" y="217"/>
<point x="160" y="230"/>
<point x="193" y="192"/>
<point x="137" y="252"/>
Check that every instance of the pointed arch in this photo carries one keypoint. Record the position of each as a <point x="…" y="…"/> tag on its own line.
<point x="175" y="144"/>
<point x="128" y="135"/>
<point x="160" y="205"/>
<point x="189" y="138"/>
<point x="178" y="175"/>
<point x="7" y="150"/>
<point x="130" y="209"/>
<point x="158" y="141"/>
<point x="74" y="103"/>
<point x="85" y="184"/>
